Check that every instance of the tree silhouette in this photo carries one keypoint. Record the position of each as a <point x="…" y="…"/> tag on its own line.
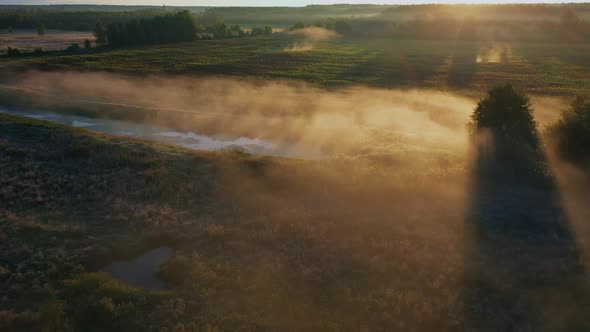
<point x="508" y="114"/>
<point x="171" y="28"/>
<point x="41" y="29"/>
<point x="100" y="33"/>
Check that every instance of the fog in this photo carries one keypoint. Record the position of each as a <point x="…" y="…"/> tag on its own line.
<point x="494" y="53"/>
<point x="346" y="121"/>
<point x="396" y="203"/>
<point x="415" y="130"/>
<point x="311" y="36"/>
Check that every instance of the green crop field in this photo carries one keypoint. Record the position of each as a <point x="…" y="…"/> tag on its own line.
<point x="543" y="68"/>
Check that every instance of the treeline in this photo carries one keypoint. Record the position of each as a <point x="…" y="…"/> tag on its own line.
<point x="211" y="24"/>
<point x="487" y="11"/>
<point x="565" y="23"/>
<point x="568" y="27"/>
<point x="85" y="17"/>
<point x="287" y="16"/>
<point x="177" y="27"/>
<point x="170" y="28"/>
<point x="31" y="17"/>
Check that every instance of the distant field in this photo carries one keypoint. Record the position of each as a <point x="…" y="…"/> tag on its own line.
<point x="543" y="68"/>
<point x="52" y="40"/>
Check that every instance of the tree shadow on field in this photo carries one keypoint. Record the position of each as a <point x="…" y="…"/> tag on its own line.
<point x="463" y="65"/>
<point x="522" y="266"/>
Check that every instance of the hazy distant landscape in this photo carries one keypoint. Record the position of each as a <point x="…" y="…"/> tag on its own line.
<point x="317" y="168"/>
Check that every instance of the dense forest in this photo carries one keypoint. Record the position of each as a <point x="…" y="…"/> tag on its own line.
<point x="170" y="28"/>
<point x="29" y="18"/>
<point x="177" y="27"/>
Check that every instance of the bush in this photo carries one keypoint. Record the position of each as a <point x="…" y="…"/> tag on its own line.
<point x="73" y="48"/>
<point x="571" y="132"/>
<point x="14" y="52"/>
<point x="261" y="31"/>
<point x="296" y="26"/>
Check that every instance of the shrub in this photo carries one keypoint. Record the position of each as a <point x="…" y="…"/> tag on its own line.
<point x="297" y="25"/>
<point x="13" y="52"/>
<point x="571" y="132"/>
<point x="261" y="31"/>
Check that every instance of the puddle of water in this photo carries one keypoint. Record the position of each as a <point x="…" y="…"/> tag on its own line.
<point x="142" y="271"/>
<point x="188" y="140"/>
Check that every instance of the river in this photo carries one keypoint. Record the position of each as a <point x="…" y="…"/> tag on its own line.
<point x="187" y="139"/>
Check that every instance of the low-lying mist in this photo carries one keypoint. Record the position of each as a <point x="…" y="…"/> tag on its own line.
<point x="395" y="224"/>
<point x="351" y="121"/>
<point x="311" y="36"/>
<point x="494" y="53"/>
<point x="418" y="131"/>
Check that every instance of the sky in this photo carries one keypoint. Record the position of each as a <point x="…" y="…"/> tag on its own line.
<point x="257" y="2"/>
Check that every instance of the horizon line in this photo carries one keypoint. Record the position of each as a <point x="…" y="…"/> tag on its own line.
<point x="418" y="3"/>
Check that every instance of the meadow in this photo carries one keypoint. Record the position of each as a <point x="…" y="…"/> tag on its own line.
<point x="415" y="240"/>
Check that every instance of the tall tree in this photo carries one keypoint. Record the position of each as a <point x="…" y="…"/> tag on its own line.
<point x="508" y="113"/>
<point x="100" y="33"/>
<point x="41" y="29"/>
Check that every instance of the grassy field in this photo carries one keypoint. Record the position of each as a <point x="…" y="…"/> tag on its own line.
<point x="541" y="68"/>
<point x="418" y="240"/>
<point x="52" y="40"/>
